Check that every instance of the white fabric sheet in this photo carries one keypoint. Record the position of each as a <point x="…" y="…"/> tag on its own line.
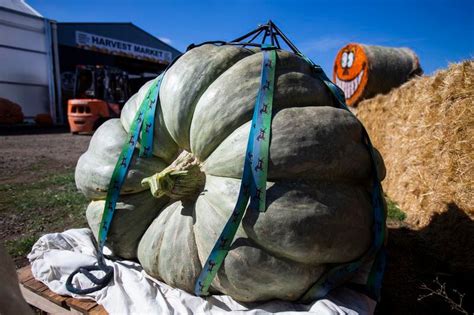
<point x="132" y="291"/>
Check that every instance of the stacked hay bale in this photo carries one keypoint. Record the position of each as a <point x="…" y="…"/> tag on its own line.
<point x="425" y="132"/>
<point x="363" y="71"/>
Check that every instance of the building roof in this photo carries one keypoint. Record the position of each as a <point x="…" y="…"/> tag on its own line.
<point x="125" y="31"/>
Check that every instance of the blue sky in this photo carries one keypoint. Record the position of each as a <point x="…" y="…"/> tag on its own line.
<point x="438" y="31"/>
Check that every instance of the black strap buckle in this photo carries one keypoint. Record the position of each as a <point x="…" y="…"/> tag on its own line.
<point x="100" y="283"/>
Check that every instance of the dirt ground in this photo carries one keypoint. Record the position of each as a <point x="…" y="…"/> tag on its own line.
<point x="37" y="190"/>
<point x="35" y="167"/>
<point x="25" y="157"/>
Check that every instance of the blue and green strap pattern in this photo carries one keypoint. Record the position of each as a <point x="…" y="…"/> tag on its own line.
<point x="254" y="179"/>
<point x="142" y="126"/>
<point x="253" y="186"/>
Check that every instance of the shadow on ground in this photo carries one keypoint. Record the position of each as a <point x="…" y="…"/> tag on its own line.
<point x="445" y="250"/>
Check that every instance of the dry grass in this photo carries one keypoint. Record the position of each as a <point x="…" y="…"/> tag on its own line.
<point x="425" y="132"/>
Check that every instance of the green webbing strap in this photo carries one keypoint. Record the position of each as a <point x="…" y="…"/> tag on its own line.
<point x="254" y="178"/>
<point x="145" y="116"/>
<point x="335" y="90"/>
<point x="146" y="143"/>
<point x="142" y="124"/>
<point x="253" y="186"/>
<point x="343" y="272"/>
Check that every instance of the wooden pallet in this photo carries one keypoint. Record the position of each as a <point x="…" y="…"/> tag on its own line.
<point x="39" y="296"/>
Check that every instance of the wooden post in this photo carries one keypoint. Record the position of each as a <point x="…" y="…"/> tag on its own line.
<point x="39" y="296"/>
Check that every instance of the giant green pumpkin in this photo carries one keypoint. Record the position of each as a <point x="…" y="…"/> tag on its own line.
<point x="318" y="205"/>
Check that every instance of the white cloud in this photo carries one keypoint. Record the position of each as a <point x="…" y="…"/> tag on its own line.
<point x="323" y="44"/>
<point x="165" y="39"/>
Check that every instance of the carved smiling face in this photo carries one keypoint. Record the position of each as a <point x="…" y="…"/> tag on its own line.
<point x="350" y="72"/>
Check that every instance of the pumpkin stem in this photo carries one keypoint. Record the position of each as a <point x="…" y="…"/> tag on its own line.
<point x="183" y="179"/>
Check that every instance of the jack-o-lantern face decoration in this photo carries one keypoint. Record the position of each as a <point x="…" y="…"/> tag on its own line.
<point x="350" y="72"/>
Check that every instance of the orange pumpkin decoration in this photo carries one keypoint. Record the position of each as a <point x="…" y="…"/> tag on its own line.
<point x="363" y="71"/>
<point x="10" y="112"/>
<point x="44" y="120"/>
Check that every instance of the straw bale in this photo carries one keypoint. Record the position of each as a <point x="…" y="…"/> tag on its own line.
<point x="363" y="71"/>
<point x="425" y="132"/>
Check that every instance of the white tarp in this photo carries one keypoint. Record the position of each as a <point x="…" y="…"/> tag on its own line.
<point x="55" y="256"/>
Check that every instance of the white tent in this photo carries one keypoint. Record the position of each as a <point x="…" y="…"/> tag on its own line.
<point x="20" y="6"/>
<point x="27" y="67"/>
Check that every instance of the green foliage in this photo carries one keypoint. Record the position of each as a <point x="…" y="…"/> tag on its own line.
<point x="49" y="192"/>
<point x="21" y="246"/>
<point x="39" y="206"/>
<point x="393" y="211"/>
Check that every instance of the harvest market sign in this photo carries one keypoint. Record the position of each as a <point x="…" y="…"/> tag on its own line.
<point x="122" y="48"/>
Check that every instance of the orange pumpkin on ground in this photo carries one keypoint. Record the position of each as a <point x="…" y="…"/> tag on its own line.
<point x="10" y="112"/>
<point x="44" y="120"/>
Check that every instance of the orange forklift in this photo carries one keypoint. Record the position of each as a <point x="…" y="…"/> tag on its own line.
<point x="99" y="94"/>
